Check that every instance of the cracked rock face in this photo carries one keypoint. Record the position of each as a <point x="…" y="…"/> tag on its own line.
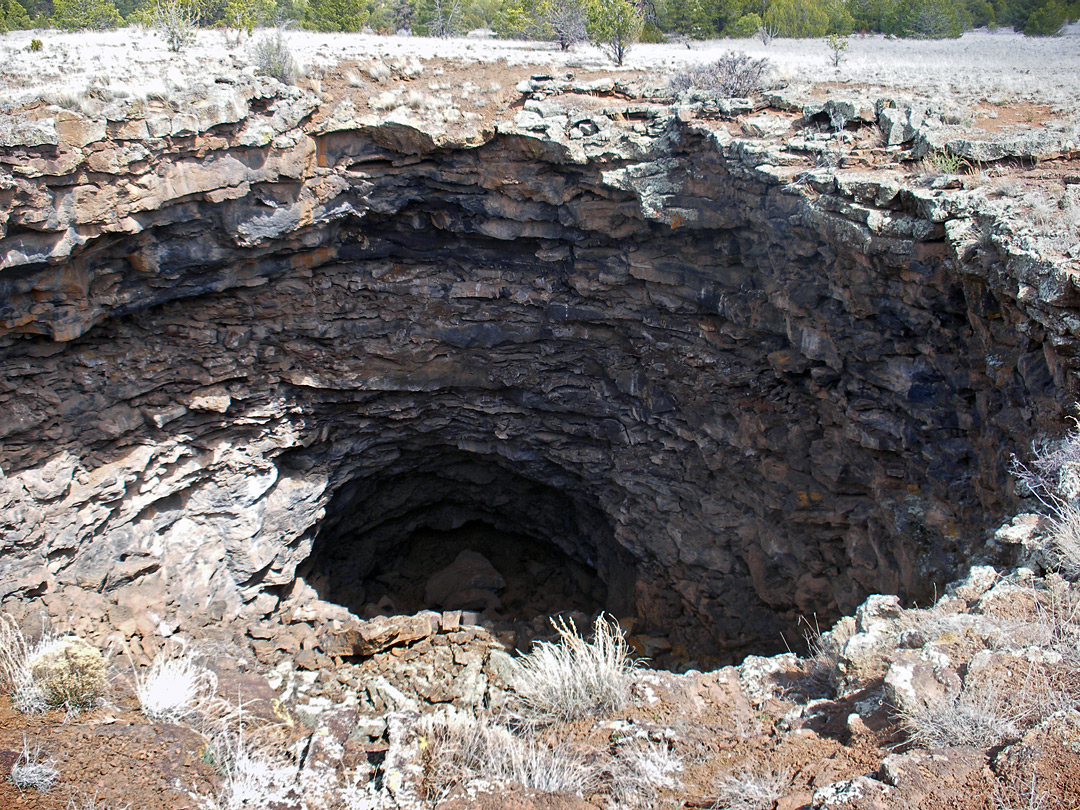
<point x="227" y="357"/>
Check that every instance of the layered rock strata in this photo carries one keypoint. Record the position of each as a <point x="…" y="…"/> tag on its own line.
<point x="266" y="335"/>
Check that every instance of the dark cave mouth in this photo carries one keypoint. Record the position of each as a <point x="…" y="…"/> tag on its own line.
<point x="511" y="579"/>
<point x="446" y="530"/>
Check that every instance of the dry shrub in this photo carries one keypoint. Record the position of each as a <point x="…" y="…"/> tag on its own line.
<point x="733" y="75"/>
<point x="1053" y="476"/>
<point x="273" y="58"/>
<point x="69" y="673"/>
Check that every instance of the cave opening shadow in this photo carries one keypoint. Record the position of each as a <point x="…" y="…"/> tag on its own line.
<point x="449" y="530"/>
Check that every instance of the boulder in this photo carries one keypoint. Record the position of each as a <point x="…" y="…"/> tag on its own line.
<point x="470" y="582"/>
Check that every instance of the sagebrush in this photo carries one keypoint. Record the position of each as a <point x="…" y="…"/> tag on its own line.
<point x="733" y="75"/>
<point x="273" y="58"/>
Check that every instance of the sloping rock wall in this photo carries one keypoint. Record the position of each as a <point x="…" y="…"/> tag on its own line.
<point x="232" y="340"/>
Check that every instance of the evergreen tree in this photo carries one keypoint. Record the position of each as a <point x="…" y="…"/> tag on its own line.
<point x="79" y="15"/>
<point x="336" y="15"/>
<point x="1046" y="20"/>
<point x="745" y="27"/>
<point x="932" y="19"/>
<point x="13" y="16"/>
<point x="797" y="18"/>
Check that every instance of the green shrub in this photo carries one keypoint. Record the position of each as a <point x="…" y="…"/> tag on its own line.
<point x="745" y="27"/>
<point x="244" y="15"/>
<point x="614" y="26"/>
<point x="837" y="44"/>
<point x="81" y="15"/>
<point x="35" y="45"/>
<point x="174" y="21"/>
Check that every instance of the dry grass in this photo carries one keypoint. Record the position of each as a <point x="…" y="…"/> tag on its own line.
<point x="824" y="653"/>
<point x="980" y="66"/>
<point x="14" y="653"/>
<point x="454" y="752"/>
<point x="1023" y="796"/>
<point x="751" y="788"/>
<point x="1064" y="541"/>
<point x="251" y="777"/>
<point x="32" y="771"/>
<point x="979" y="717"/>
<point x="640" y="769"/>
<point x="567" y="680"/>
<point x="84" y="802"/>
<point x="175" y="687"/>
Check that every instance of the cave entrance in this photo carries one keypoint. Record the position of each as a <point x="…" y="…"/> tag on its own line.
<point x="444" y="529"/>
<point x="481" y="568"/>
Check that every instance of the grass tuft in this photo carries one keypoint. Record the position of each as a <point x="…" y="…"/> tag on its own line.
<point x="175" y="687"/>
<point x="567" y="680"/>
<point x="751" y="788"/>
<point x="452" y="752"/>
<point x="31" y="772"/>
<point x="978" y="718"/>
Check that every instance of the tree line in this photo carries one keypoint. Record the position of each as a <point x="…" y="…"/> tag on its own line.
<point x="569" y="21"/>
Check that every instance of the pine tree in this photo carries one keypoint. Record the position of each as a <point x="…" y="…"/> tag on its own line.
<point x="13" y="16"/>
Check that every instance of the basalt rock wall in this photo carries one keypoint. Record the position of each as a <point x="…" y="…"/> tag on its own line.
<point x="278" y="338"/>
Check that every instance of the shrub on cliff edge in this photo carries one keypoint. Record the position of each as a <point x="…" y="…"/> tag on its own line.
<point x="733" y="75"/>
<point x="273" y="58"/>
